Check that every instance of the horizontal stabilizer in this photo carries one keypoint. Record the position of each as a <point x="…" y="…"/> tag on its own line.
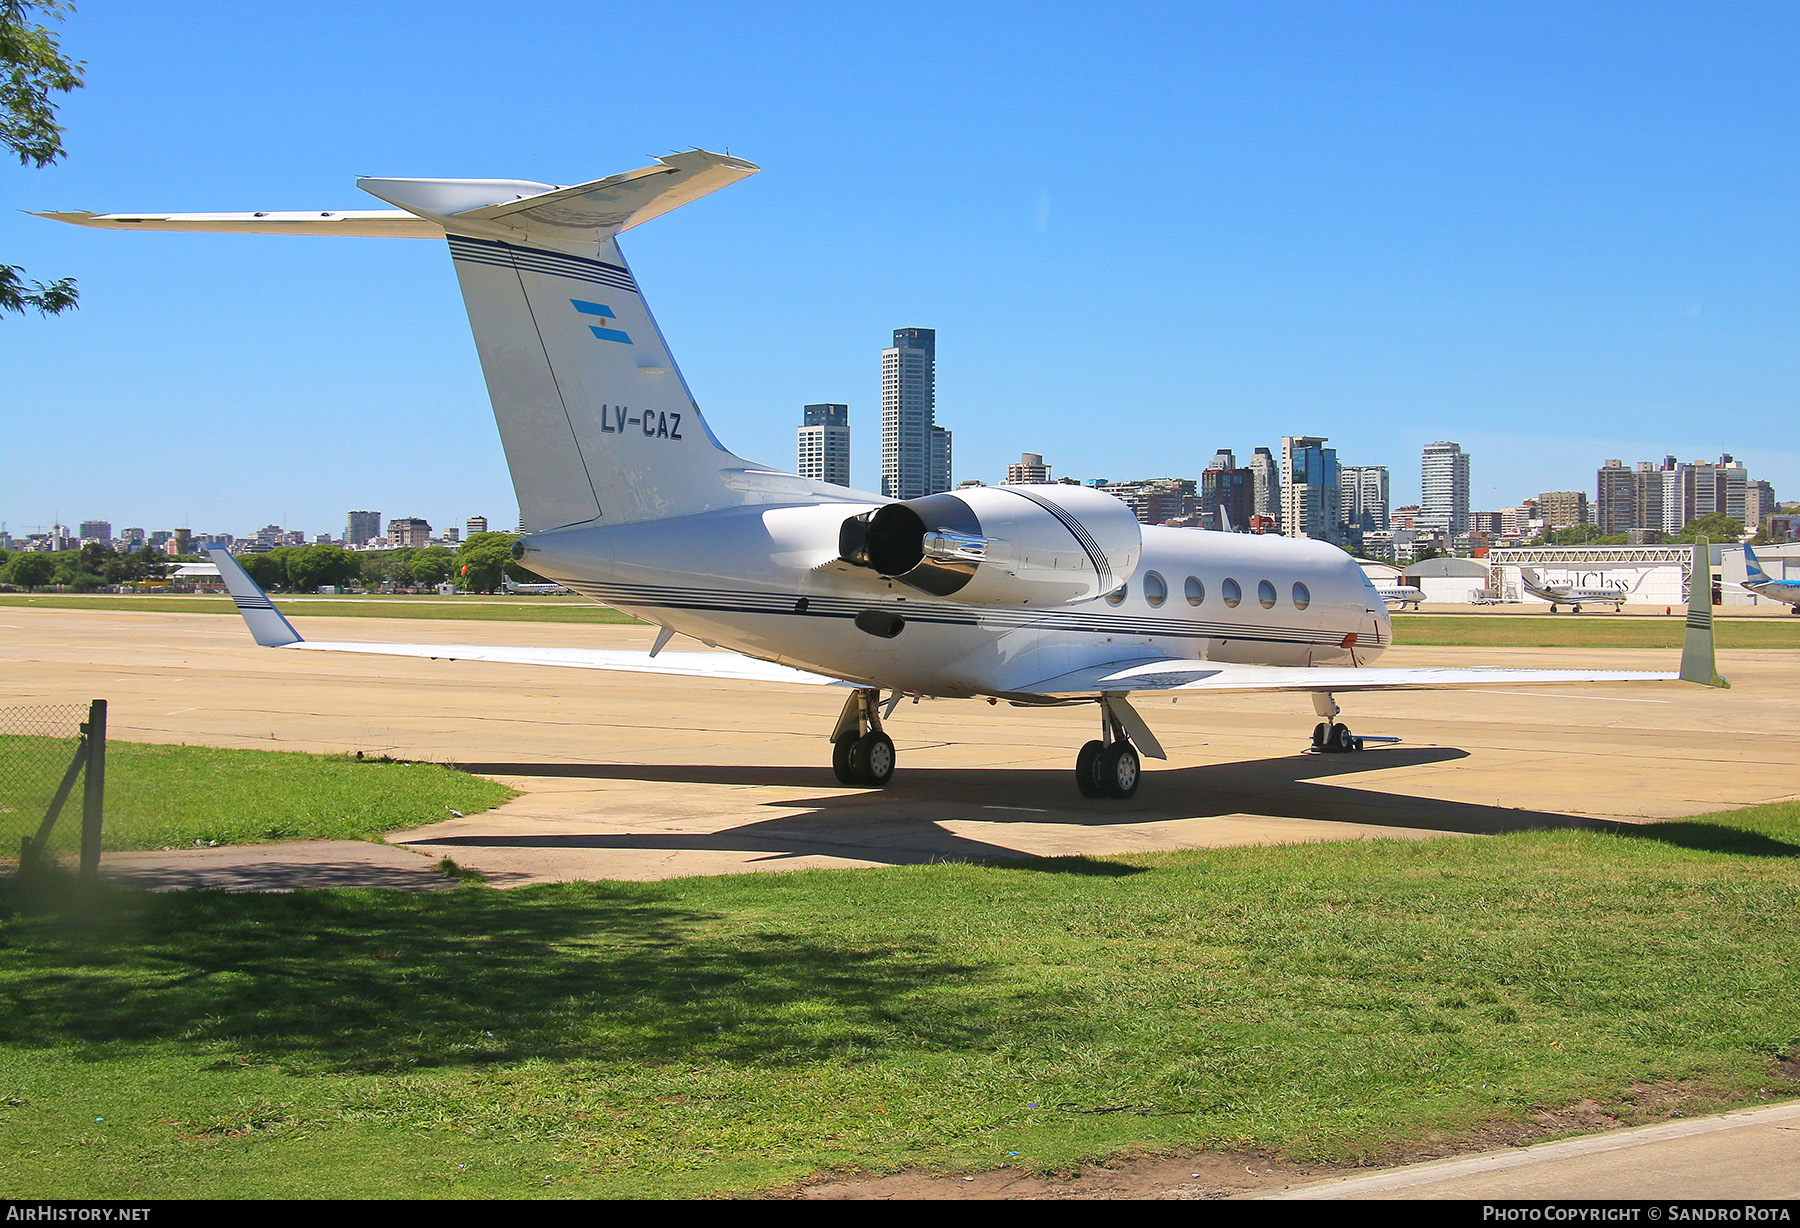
<point x="576" y="219"/>
<point x="351" y="224"/>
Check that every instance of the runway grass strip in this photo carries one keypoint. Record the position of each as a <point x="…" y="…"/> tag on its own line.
<point x="174" y="796"/>
<point x="471" y="609"/>
<point x="1583" y="631"/>
<point x="708" y="1036"/>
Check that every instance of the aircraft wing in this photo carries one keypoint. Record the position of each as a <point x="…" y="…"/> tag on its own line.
<point x="1187" y="674"/>
<point x="271" y="630"/>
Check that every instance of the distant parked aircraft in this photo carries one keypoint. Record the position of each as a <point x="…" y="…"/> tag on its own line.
<point x="1764" y="585"/>
<point x="1571" y="595"/>
<point x="530" y="590"/>
<point x="1400" y="594"/>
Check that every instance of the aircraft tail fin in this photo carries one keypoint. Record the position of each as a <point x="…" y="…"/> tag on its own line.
<point x="597" y="422"/>
<point x="1754" y="569"/>
<point x="1698" y="664"/>
<point x="267" y="624"/>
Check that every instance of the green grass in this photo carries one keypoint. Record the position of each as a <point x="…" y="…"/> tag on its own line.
<point x="171" y="796"/>
<point x="706" y="1036"/>
<point x="460" y="609"/>
<point x="1583" y="631"/>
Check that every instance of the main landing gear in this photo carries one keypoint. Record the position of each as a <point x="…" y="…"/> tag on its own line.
<point x="1109" y="765"/>
<point x="861" y="754"/>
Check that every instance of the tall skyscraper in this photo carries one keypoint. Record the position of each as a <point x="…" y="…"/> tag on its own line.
<point x="1363" y="497"/>
<point x="1266" y="475"/>
<point x="1310" y="502"/>
<point x="1616" y="498"/>
<point x="361" y="527"/>
<point x="824" y="444"/>
<point x="915" y="451"/>
<point x="474" y="525"/>
<point x="96" y="531"/>
<point x="1444" y="469"/>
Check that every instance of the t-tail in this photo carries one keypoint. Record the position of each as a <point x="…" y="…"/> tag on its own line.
<point x="598" y="424"/>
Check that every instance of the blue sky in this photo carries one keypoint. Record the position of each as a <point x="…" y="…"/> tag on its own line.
<point x="1554" y="233"/>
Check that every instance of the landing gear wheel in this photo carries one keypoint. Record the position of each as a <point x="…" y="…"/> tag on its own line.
<point x="872" y="759"/>
<point x="1321" y="732"/>
<point x="1087" y="769"/>
<point x="1340" y="741"/>
<point x="1118" y="770"/>
<point x="840" y="761"/>
<point x="1576" y="609"/>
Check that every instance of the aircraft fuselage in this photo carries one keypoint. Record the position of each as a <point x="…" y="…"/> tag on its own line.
<point x="766" y="581"/>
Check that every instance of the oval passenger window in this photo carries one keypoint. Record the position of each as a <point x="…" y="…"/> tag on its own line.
<point x="1265" y="594"/>
<point x="1302" y="596"/>
<point x="1196" y="591"/>
<point x="1156" y="589"/>
<point x="1117" y="595"/>
<point x="1231" y="592"/>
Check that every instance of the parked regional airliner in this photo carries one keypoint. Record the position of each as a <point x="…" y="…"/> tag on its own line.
<point x="1763" y="584"/>
<point x="1029" y="594"/>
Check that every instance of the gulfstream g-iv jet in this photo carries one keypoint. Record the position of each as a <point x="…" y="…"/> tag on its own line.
<point x="1028" y="594"/>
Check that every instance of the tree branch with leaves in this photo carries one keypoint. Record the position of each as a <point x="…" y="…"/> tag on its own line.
<point x="32" y="70"/>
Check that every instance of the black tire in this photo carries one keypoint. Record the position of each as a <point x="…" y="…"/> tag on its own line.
<point x="1120" y="769"/>
<point x="872" y="759"/>
<point x="841" y="767"/>
<point x="1087" y="770"/>
<point x="1320" y="732"/>
<point x="1340" y="739"/>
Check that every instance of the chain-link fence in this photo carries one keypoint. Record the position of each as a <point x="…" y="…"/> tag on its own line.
<point x="52" y="780"/>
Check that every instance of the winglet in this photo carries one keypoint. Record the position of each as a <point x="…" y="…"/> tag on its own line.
<point x="266" y="623"/>
<point x="1697" y="661"/>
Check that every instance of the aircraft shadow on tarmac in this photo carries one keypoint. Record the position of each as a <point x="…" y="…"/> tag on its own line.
<point x="903" y="823"/>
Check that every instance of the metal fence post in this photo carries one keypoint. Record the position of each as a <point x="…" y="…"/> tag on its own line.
<point x="93" y="795"/>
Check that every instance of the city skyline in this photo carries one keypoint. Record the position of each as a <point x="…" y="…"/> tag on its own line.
<point x="1381" y="231"/>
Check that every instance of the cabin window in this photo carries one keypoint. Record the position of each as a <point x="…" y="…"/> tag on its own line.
<point x="1302" y="596"/>
<point x="1265" y="594"/>
<point x="1156" y="589"/>
<point x="1196" y="591"/>
<point x="1117" y="596"/>
<point x="1231" y="592"/>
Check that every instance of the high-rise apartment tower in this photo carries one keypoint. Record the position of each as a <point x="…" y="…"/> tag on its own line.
<point x="1444" y="470"/>
<point x="824" y="444"/>
<point x="915" y="451"/>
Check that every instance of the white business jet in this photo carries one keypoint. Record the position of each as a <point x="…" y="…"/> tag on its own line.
<point x="1400" y="594"/>
<point x="1028" y="594"/>
<point x="1572" y="595"/>
<point x="513" y="588"/>
<point x="1763" y="584"/>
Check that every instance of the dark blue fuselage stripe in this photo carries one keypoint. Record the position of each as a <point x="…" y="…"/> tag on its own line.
<point x="531" y="259"/>
<point x="1075" y="622"/>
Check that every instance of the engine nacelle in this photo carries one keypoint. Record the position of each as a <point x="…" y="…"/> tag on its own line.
<point x="1000" y="545"/>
